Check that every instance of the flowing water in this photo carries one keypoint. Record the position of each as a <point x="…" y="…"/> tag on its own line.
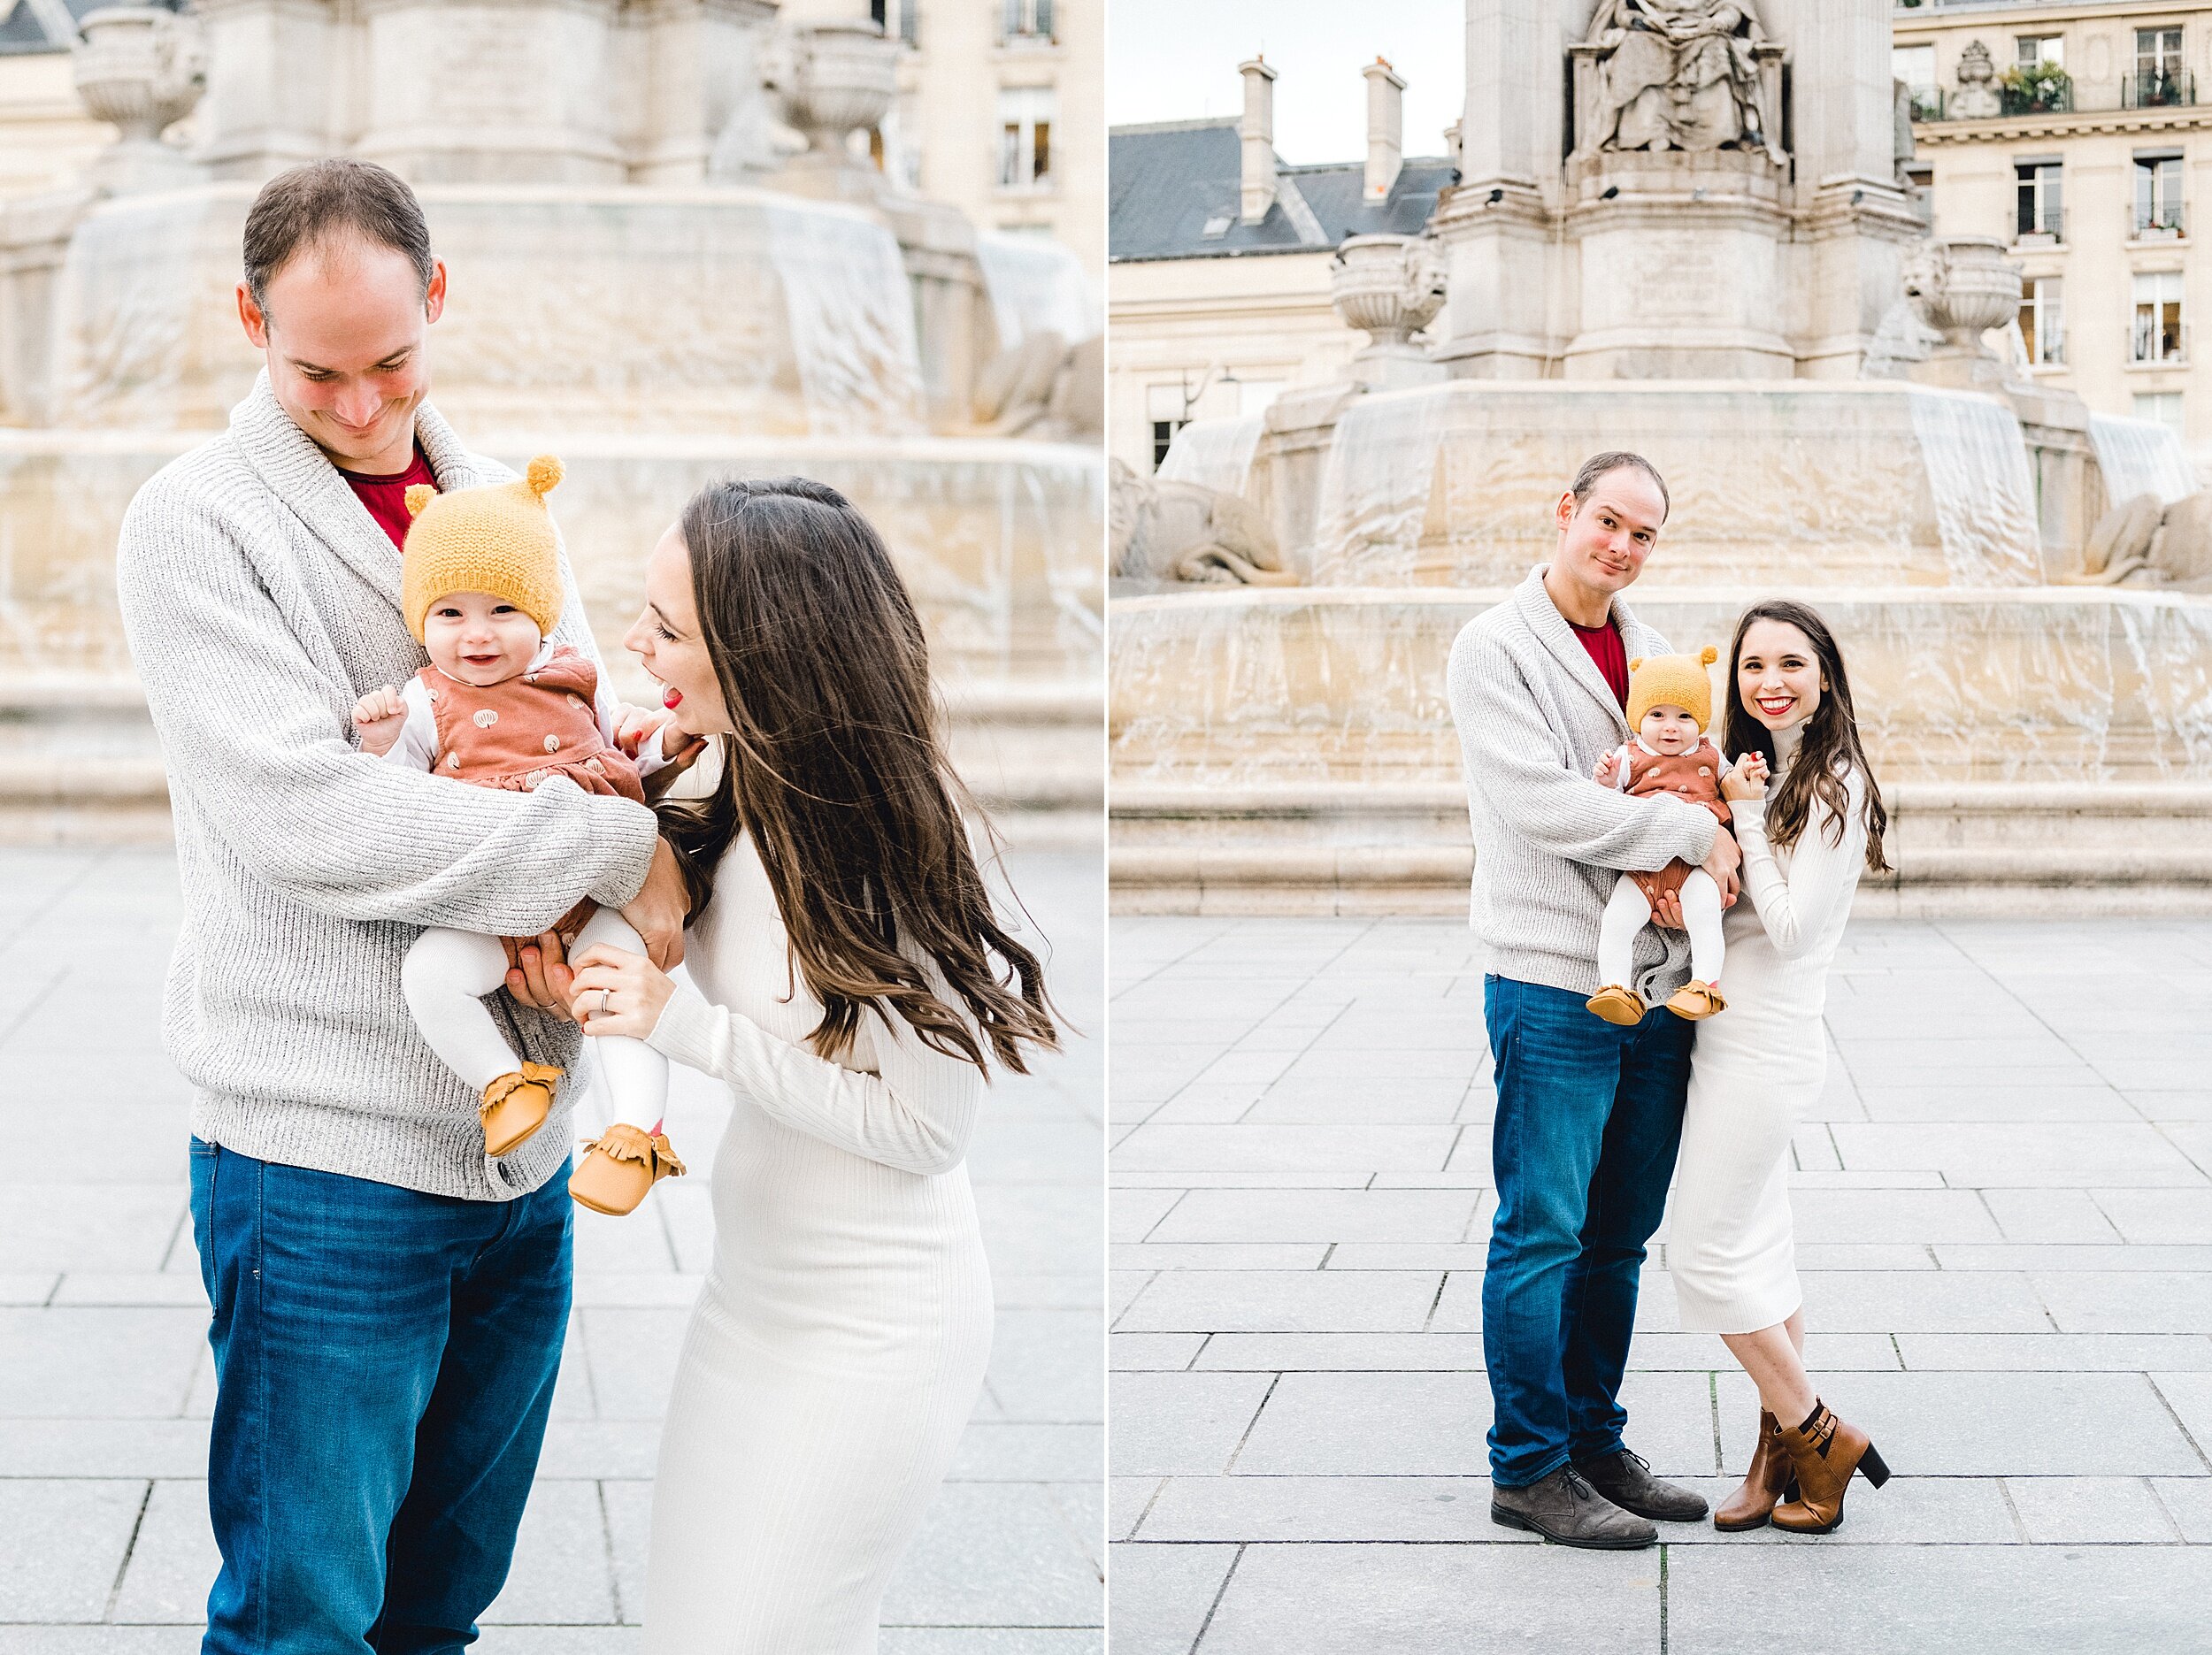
<point x="2141" y="456"/>
<point x="1216" y="454"/>
<point x="1035" y="285"/>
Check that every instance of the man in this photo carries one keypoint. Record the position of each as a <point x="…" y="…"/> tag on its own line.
<point x="388" y="1303"/>
<point x="1589" y="1114"/>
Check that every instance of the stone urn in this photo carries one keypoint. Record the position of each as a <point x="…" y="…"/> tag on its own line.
<point x="1962" y="286"/>
<point x="837" y="79"/>
<point x="142" y="69"/>
<point x="1389" y="287"/>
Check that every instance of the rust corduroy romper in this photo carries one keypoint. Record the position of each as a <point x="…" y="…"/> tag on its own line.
<point x="1695" y="778"/>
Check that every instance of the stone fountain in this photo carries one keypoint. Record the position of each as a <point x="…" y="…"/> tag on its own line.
<point x="1679" y="230"/>
<point x="670" y="260"/>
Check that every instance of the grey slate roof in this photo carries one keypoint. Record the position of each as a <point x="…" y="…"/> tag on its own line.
<point x="35" y="25"/>
<point x="1166" y="181"/>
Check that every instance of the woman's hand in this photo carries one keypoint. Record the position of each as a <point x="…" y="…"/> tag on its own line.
<point x="1747" y="780"/>
<point x="538" y="973"/>
<point x="619" y="992"/>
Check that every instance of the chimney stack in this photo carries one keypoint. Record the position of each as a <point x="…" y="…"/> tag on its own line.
<point x="1257" y="131"/>
<point x="1385" y="128"/>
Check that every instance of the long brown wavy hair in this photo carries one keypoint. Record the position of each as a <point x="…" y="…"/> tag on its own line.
<point x="835" y="767"/>
<point x="1828" y="751"/>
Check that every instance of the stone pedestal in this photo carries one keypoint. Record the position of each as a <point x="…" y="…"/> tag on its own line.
<point x="435" y="116"/>
<point x="1679" y="256"/>
<point x="274" y="74"/>
<point x="690" y="102"/>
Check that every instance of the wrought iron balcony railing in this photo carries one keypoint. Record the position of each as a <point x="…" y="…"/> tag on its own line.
<point x="2162" y="221"/>
<point x="2046" y="228"/>
<point x="2174" y="89"/>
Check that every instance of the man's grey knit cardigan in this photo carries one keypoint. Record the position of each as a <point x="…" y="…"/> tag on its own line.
<point x="1534" y="713"/>
<point x="262" y="601"/>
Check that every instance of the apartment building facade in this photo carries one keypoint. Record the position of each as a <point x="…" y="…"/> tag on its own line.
<point x="2076" y="133"/>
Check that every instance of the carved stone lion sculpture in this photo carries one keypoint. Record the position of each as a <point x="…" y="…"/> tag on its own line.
<point x="2145" y="542"/>
<point x="1044" y="388"/>
<point x="1185" y="532"/>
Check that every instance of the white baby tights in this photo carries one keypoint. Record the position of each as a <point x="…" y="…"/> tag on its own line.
<point x="1627" y="913"/>
<point x="447" y="975"/>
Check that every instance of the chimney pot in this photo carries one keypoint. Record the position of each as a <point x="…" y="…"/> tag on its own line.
<point x="1256" y="133"/>
<point x="1386" y="129"/>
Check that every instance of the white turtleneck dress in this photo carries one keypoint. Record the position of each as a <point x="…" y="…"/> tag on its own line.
<point x="1758" y="1067"/>
<point x="838" y="1343"/>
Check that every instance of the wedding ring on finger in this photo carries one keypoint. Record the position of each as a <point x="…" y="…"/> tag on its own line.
<point x="602" y="1002"/>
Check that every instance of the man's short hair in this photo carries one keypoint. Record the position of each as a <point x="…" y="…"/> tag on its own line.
<point x="1599" y="464"/>
<point x="325" y="201"/>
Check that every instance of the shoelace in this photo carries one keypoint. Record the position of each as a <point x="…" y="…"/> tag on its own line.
<point x="1576" y="1488"/>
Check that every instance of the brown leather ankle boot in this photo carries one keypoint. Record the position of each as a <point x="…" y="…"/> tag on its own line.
<point x="1823" y="1452"/>
<point x="1765" y="1484"/>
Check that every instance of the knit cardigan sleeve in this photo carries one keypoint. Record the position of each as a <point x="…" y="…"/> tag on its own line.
<point x="913" y="1112"/>
<point x="259" y="734"/>
<point x="1795" y="908"/>
<point x="1521" y="767"/>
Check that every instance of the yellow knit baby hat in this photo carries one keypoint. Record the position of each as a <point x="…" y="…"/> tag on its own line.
<point x="497" y="540"/>
<point x="1671" y="681"/>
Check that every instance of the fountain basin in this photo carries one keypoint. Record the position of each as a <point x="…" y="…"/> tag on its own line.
<point x="1294" y="750"/>
<point x="1873" y="484"/>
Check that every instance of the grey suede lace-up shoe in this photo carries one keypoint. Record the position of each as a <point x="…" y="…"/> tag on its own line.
<point x="1564" y="1508"/>
<point x="1625" y="1479"/>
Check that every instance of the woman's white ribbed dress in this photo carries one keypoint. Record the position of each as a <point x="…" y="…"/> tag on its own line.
<point x="1755" y="1068"/>
<point x="838" y="1343"/>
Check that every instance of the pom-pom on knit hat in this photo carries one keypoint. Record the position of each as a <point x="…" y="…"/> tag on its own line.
<point x="497" y="540"/>
<point x="1667" y="681"/>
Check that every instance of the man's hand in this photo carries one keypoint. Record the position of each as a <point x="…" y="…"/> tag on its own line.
<point x="659" y="909"/>
<point x="377" y="719"/>
<point x="538" y="973"/>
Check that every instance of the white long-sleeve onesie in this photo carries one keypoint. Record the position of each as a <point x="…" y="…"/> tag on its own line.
<point x="1628" y="911"/>
<point x="447" y="975"/>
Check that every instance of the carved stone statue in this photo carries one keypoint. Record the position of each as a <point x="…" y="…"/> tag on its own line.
<point x="1043" y="388"/>
<point x="1185" y="532"/>
<point x="2145" y="542"/>
<point x="1903" y="148"/>
<point x="1978" y="97"/>
<point x="1678" y="74"/>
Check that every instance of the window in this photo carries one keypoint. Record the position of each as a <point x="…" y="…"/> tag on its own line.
<point x="1915" y="66"/>
<point x="2157" y="52"/>
<point x="2163" y="406"/>
<point x="1024" y="147"/>
<point x="2043" y="320"/>
<point x="900" y="19"/>
<point x="1026" y="19"/>
<point x="2041" y="49"/>
<point x="2158" y="216"/>
<point x="2042" y="217"/>
<point x="2157" y="334"/>
<point x="1163" y="437"/>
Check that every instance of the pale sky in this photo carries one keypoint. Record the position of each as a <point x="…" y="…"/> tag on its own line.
<point x="1176" y="60"/>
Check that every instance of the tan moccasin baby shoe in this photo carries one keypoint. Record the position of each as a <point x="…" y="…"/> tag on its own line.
<point x="1695" y="1000"/>
<point x="619" y="1165"/>
<point x="515" y="1106"/>
<point x="1617" y="1004"/>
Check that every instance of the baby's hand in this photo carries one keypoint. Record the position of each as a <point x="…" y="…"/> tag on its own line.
<point x="1747" y="780"/>
<point x="1606" y="769"/>
<point x="377" y="719"/>
<point x="633" y="727"/>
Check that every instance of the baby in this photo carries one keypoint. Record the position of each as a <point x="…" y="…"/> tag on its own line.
<point x="499" y="706"/>
<point x="1670" y="704"/>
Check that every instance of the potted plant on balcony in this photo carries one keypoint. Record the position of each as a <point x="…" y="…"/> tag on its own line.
<point x="2038" y="88"/>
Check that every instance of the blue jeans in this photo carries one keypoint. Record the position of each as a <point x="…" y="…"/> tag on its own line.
<point x="385" y="1362"/>
<point x="1589" y="1117"/>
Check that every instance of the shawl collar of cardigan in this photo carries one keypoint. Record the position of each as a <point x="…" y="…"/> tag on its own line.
<point x="1550" y="626"/>
<point x="308" y="486"/>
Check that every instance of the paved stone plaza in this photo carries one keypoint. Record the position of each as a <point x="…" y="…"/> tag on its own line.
<point x="2005" y="1228"/>
<point x="105" y="1381"/>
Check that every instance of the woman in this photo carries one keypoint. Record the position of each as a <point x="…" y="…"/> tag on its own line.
<point x="850" y="990"/>
<point x="1755" y="1070"/>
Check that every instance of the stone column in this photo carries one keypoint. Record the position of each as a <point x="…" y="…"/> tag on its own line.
<point x="1507" y="307"/>
<point x="274" y="78"/>
<point x="436" y="116"/>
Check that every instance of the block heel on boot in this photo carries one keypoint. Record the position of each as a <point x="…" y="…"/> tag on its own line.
<point x="1823" y="1452"/>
